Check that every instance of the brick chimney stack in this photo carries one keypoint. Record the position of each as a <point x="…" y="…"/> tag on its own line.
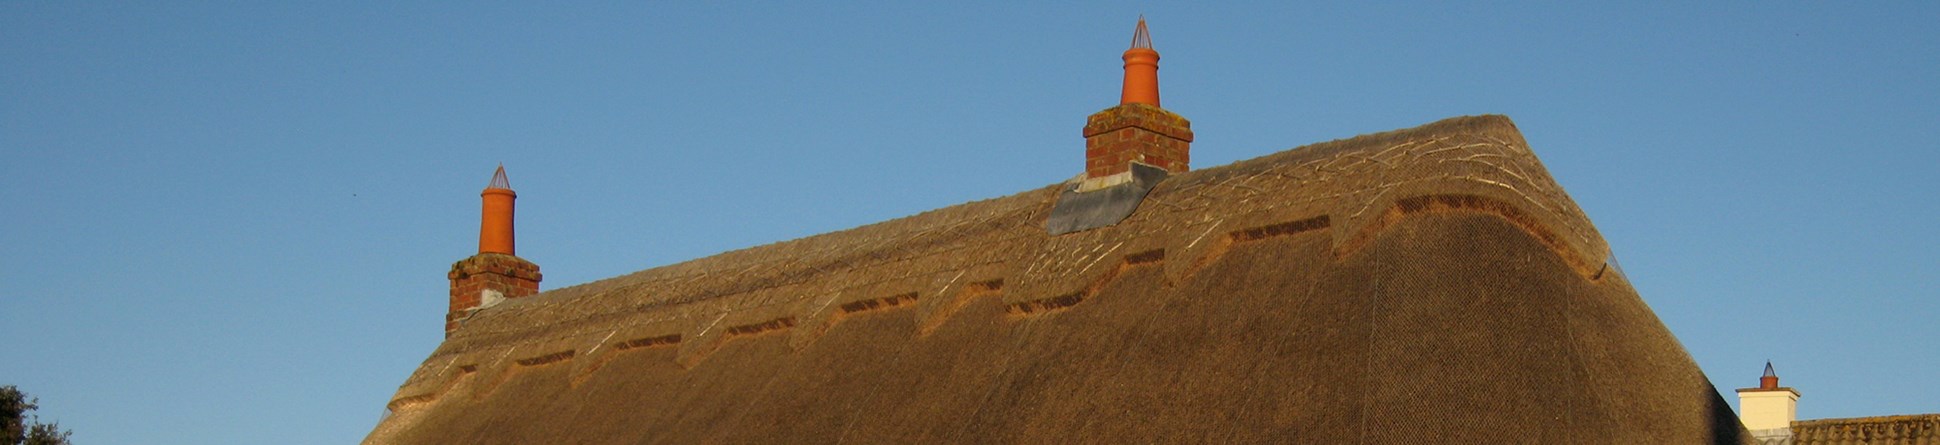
<point x="1136" y="130"/>
<point x="495" y="273"/>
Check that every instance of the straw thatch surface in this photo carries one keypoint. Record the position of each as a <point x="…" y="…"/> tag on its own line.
<point x="1423" y="285"/>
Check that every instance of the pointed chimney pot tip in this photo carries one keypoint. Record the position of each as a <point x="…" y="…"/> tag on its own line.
<point x="498" y="180"/>
<point x="1141" y="69"/>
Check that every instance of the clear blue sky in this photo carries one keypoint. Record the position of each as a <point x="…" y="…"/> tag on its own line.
<point x="230" y="222"/>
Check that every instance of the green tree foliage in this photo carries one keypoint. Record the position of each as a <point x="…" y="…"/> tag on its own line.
<point x="19" y="427"/>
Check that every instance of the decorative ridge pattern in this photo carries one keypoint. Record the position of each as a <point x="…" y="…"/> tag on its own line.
<point x="1348" y="189"/>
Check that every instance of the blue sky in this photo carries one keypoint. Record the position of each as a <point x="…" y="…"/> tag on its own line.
<point x="230" y="222"/>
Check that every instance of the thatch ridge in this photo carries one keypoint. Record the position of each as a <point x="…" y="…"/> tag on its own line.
<point x="790" y="264"/>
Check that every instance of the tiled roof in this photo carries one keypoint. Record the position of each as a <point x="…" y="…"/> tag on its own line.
<point x="1922" y="429"/>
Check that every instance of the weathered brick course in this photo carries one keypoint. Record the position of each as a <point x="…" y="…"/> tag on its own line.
<point x="1118" y="136"/>
<point x="510" y="276"/>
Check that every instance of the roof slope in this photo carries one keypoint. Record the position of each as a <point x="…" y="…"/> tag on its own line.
<point x="1430" y="284"/>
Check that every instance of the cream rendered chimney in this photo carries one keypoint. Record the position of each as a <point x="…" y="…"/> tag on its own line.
<point x="1768" y="407"/>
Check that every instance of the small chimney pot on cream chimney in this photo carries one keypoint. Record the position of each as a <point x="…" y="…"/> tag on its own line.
<point x="1769" y="409"/>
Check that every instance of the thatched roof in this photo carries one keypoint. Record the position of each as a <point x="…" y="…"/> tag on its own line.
<point x="1424" y="285"/>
